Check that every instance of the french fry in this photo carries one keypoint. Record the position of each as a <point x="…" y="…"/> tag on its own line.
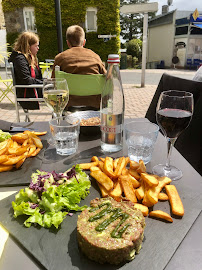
<point x="86" y="166"/>
<point x="134" y="165"/>
<point x="17" y="151"/>
<point x="109" y="166"/>
<point x="15" y="144"/>
<point x="153" y="192"/>
<point x="19" y="163"/>
<point x="4" y="168"/>
<point x="37" y="142"/>
<point x="124" y="171"/>
<point x="139" y="192"/>
<point x="3" y="151"/>
<point x="103" y="179"/>
<point x="20" y="137"/>
<point x="32" y="149"/>
<point x="40" y="133"/>
<point x="101" y="165"/>
<point x="161" y="214"/>
<point x="175" y="201"/>
<point x="143" y="208"/>
<point x="134" y="182"/>
<point x="134" y="173"/>
<point x="3" y="158"/>
<point x="25" y="142"/>
<point x="142" y="167"/>
<point x="117" y="190"/>
<point x="115" y="163"/>
<point x="127" y="159"/>
<point x="95" y="159"/>
<point x="162" y="196"/>
<point x="13" y="160"/>
<point x="120" y="165"/>
<point x="94" y="168"/>
<point x="102" y="159"/>
<point x="150" y="179"/>
<point x="146" y="200"/>
<point x="128" y="188"/>
<point x="36" y="152"/>
<point x="104" y="192"/>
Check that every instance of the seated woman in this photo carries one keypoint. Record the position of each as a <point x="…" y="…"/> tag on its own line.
<point x="26" y="69"/>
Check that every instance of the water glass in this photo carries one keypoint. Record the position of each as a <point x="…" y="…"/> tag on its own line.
<point x="65" y="132"/>
<point x="140" y="139"/>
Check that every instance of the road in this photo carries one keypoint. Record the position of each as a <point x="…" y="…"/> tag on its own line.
<point x="152" y="76"/>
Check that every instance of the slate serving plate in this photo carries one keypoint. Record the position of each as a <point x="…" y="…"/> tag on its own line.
<point x="21" y="176"/>
<point x="88" y="130"/>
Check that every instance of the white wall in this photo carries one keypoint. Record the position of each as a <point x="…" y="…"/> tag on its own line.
<point x="161" y="43"/>
<point x="3" y="48"/>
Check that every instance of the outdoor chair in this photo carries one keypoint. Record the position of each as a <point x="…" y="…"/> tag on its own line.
<point x="26" y="112"/>
<point x="84" y="90"/>
<point x="6" y="85"/>
<point x="189" y="142"/>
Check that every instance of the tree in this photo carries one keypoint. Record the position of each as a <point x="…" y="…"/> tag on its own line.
<point x="132" y="24"/>
<point x="134" y="48"/>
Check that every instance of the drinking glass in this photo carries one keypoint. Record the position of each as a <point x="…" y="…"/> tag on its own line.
<point x="174" y="112"/>
<point x="65" y="134"/>
<point x="56" y="95"/>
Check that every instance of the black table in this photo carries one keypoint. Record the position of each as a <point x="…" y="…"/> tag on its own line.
<point x="166" y="246"/>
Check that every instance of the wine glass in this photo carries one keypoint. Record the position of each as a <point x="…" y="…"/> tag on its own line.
<point x="56" y="95"/>
<point x="174" y="112"/>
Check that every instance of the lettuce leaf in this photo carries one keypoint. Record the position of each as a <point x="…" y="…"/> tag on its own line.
<point x="50" y="206"/>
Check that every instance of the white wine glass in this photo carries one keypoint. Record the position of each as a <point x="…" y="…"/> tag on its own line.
<point x="173" y="113"/>
<point x="56" y="95"/>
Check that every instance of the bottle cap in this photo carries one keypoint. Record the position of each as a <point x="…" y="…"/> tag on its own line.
<point x="113" y="58"/>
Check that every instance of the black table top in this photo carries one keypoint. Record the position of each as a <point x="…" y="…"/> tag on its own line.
<point x="166" y="246"/>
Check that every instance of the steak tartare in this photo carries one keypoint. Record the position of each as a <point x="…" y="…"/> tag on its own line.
<point x="110" y="231"/>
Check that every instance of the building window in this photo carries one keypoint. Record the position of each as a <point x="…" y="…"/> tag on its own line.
<point x="181" y="30"/>
<point x="91" y="19"/>
<point x="29" y="19"/>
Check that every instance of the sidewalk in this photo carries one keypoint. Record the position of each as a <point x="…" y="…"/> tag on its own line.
<point x="137" y="101"/>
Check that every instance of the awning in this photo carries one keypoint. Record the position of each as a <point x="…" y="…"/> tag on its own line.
<point x="199" y="25"/>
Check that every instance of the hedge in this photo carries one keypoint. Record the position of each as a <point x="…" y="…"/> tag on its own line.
<point x="72" y="12"/>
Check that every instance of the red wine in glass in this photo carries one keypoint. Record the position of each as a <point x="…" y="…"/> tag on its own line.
<point x="173" y="113"/>
<point x="173" y="121"/>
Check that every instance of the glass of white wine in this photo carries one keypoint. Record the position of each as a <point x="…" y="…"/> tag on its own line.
<point x="56" y="95"/>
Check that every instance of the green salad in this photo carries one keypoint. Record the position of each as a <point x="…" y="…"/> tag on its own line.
<point x="50" y="197"/>
<point x="4" y="135"/>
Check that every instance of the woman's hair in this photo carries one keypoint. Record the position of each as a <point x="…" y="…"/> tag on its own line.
<point x="75" y="35"/>
<point x="23" y="43"/>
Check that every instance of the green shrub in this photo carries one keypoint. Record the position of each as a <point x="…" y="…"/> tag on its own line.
<point x="134" y="48"/>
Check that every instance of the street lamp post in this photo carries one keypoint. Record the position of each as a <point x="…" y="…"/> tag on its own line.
<point x="142" y="8"/>
<point x="58" y="25"/>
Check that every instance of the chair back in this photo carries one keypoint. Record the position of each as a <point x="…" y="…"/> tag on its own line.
<point x="83" y="85"/>
<point x="189" y="142"/>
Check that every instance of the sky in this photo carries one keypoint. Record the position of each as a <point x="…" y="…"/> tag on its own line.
<point x="189" y="5"/>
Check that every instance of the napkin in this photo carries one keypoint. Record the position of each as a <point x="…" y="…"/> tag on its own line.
<point x="5" y="126"/>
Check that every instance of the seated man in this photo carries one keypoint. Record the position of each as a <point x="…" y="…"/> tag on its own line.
<point x="79" y="60"/>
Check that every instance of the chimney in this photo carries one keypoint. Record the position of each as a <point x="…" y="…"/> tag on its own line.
<point x="165" y="9"/>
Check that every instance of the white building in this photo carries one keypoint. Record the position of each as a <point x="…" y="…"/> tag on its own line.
<point x="175" y="38"/>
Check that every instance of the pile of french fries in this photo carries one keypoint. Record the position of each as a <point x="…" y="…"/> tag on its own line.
<point x="14" y="151"/>
<point x="116" y="177"/>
